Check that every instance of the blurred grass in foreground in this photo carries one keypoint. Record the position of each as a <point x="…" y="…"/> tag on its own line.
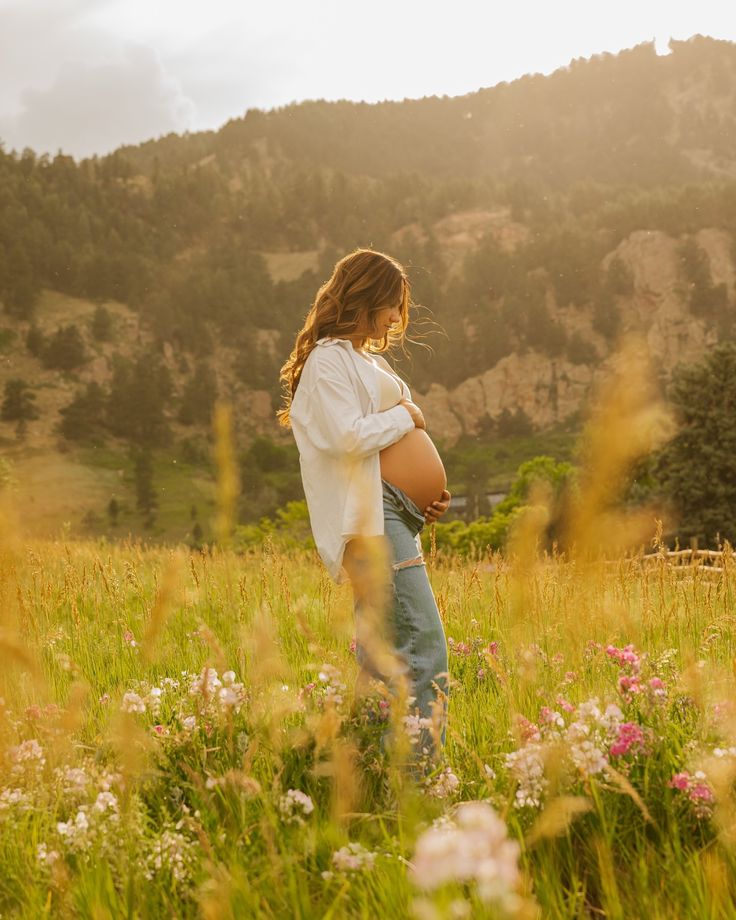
<point x="198" y="776"/>
<point x="180" y="734"/>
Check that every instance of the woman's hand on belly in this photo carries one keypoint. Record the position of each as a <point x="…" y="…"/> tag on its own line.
<point x="415" y="412"/>
<point x="435" y="511"/>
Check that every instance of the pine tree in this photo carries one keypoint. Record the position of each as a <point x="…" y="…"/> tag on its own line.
<point x="18" y="404"/>
<point x="102" y="324"/>
<point x="696" y="470"/>
<point x="65" y="349"/>
<point x="146" y="500"/>
<point x="35" y="341"/>
<point x="82" y="419"/>
<point x="113" y="510"/>
<point x="199" y="397"/>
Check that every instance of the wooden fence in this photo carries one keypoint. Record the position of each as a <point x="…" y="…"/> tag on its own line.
<point x="685" y="560"/>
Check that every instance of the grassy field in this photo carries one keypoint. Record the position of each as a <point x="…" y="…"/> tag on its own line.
<point x="180" y="738"/>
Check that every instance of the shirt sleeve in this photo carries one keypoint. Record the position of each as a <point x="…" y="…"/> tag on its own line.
<point x="338" y="426"/>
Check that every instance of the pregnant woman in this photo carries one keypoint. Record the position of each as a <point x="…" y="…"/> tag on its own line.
<point x="370" y="471"/>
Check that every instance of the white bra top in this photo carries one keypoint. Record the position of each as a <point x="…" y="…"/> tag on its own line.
<point x="388" y="385"/>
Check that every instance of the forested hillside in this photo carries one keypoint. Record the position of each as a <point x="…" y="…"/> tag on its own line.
<point x="538" y="220"/>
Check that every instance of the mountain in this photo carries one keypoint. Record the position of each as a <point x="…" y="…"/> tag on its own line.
<point x="539" y="221"/>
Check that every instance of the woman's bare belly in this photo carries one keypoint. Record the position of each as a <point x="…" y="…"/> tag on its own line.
<point x="414" y="466"/>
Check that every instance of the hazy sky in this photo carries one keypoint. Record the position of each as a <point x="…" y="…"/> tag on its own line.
<point x="85" y="76"/>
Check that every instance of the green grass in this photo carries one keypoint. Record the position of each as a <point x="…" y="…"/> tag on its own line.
<point x="85" y="623"/>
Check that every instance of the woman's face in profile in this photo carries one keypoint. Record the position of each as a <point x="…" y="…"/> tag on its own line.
<point x="382" y="320"/>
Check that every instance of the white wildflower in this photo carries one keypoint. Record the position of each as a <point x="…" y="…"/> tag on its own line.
<point x="527" y="768"/>
<point x="353" y="858"/>
<point x="15" y="799"/>
<point x="75" y="833"/>
<point x="132" y="702"/>
<point x="588" y="758"/>
<point x="443" y="785"/>
<point x="334" y="686"/>
<point x="106" y="801"/>
<point x="74" y="780"/>
<point x="171" y="852"/>
<point x="227" y="697"/>
<point x="27" y="756"/>
<point x="413" y="725"/>
<point x="107" y="779"/>
<point x="45" y="856"/>
<point x="206" y="683"/>
<point x="295" y="805"/>
<point x="472" y="847"/>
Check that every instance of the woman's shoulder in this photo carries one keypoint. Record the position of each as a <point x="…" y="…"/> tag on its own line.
<point x="327" y="354"/>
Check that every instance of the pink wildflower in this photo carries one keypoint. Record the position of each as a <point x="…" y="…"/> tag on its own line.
<point x="680" y="781"/>
<point x="657" y="687"/>
<point x="528" y="730"/>
<point x="625" y="656"/>
<point x="492" y="649"/>
<point x="701" y="792"/>
<point x="129" y="638"/>
<point x="630" y="740"/>
<point x="628" y="684"/>
<point x="564" y="704"/>
<point x="353" y="645"/>
<point x="459" y="648"/>
<point x="550" y="717"/>
<point x="696" y="788"/>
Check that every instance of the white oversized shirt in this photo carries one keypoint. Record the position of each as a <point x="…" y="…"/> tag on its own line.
<point x="340" y="432"/>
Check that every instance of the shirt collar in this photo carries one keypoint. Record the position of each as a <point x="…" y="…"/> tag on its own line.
<point x="329" y="340"/>
<point x="365" y="372"/>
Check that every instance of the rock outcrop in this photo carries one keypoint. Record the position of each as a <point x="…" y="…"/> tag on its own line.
<point x="551" y="390"/>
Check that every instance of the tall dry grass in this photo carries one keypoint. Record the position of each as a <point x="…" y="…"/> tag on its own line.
<point x="199" y="711"/>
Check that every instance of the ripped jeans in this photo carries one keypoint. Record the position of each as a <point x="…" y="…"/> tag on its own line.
<point x="412" y="620"/>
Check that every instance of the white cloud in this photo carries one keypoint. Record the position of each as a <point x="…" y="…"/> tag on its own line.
<point x="71" y="86"/>
<point x="88" y="75"/>
<point x="95" y="108"/>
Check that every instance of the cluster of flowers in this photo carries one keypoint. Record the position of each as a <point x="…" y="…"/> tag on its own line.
<point x="185" y="700"/>
<point x="631" y="681"/>
<point x="478" y="649"/>
<point x="443" y="785"/>
<point x="170" y="854"/>
<point x="327" y="690"/>
<point x="24" y="765"/>
<point x="87" y="797"/>
<point x="698" y="786"/>
<point x="469" y="846"/>
<point x="697" y="790"/>
<point x="586" y="743"/>
<point x="294" y="806"/>
<point x="351" y="859"/>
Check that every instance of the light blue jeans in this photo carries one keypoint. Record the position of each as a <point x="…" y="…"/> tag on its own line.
<point x="412" y="620"/>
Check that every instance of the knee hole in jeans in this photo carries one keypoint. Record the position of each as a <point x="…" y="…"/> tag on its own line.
<point x="408" y="563"/>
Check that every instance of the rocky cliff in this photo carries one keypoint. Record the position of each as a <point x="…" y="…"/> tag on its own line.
<point x="551" y="390"/>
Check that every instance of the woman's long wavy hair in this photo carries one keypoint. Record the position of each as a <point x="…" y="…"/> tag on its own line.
<point x="363" y="282"/>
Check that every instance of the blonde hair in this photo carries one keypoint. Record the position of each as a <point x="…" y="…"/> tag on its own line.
<point x="362" y="282"/>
